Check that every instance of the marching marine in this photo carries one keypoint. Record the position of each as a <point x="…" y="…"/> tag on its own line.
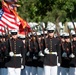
<point x="65" y="54"/>
<point x="40" y="69"/>
<point x="51" y="52"/>
<point x="2" y="46"/>
<point x="72" y="70"/>
<point x="28" y="63"/>
<point x="15" y="54"/>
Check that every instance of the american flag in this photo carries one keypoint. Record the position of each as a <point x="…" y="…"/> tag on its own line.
<point x="9" y="20"/>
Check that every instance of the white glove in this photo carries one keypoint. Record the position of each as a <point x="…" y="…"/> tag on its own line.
<point x="22" y="66"/>
<point x="11" y="54"/>
<point x="28" y="53"/>
<point x="46" y="51"/>
<point x="34" y="57"/>
<point x="72" y="55"/>
<point x="41" y="54"/>
<point x="58" y="64"/>
<point x="64" y="54"/>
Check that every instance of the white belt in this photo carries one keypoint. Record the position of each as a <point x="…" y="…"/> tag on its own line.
<point x="53" y="53"/>
<point x="18" y="55"/>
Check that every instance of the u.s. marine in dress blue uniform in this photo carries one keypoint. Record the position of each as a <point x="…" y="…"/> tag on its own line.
<point x="51" y="52"/>
<point x="73" y="59"/>
<point x="15" y="53"/>
<point x="65" y="53"/>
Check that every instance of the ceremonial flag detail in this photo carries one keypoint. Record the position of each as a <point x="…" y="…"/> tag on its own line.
<point x="9" y="18"/>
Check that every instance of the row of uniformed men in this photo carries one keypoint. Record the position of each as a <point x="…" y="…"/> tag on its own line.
<point x="37" y="55"/>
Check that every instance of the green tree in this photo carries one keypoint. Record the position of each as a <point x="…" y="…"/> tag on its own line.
<point x="47" y="10"/>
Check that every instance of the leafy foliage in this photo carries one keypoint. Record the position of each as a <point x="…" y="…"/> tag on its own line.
<point x="47" y="10"/>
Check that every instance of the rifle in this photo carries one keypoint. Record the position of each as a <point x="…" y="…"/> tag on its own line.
<point x="71" y="55"/>
<point x="73" y="24"/>
<point x="60" y="38"/>
<point x="5" y="33"/>
<point x="2" y="34"/>
<point x="64" y="53"/>
<point x="34" y="40"/>
<point x="38" y="40"/>
<point x="7" y="57"/>
<point x="70" y="38"/>
<point x="9" y="39"/>
<point x="44" y="36"/>
<point x="39" y="44"/>
<point x="27" y="40"/>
